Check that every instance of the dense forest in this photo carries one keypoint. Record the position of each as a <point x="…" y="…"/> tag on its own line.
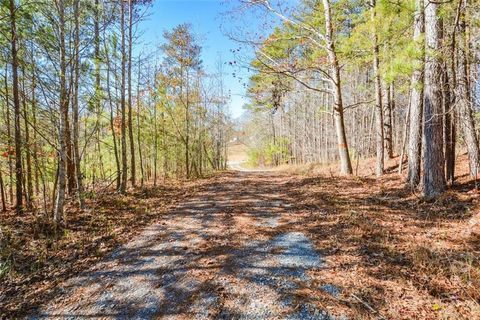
<point x="345" y="80"/>
<point x="246" y="159"/>
<point x="83" y="109"/>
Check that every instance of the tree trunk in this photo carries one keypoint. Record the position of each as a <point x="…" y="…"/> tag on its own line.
<point x="2" y="192"/>
<point x="404" y="139"/>
<point x="449" y="129"/>
<point x="112" y="120"/>
<point x="389" y="120"/>
<point x="187" y="127"/>
<point x="139" y="138"/>
<point x="70" y="161"/>
<point x="155" y="144"/>
<point x="71" y="185"/>
<point x="9" y="138"/>
<point x="345" y="163"/>
<point x="378" y="99"/>
<point x="28" y="155"/>
<point x="63" y="120"/>
<point x="130" y="120"/>
<point x="34" y="123"/>
<point x="16" y="105"/>
<point x="433" y="161"/>
<point x="123" y="180"/>
<point x="462" y="92"/>
<point x="416" y="102"/>
<point x="76" y="126"/>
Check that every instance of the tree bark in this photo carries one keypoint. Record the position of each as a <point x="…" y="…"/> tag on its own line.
<point x="416" y="103"/>
<point x="34" y="123"/>
<point x="433" y="161"/>
<point x="63" y="121"/>
<point x="378" y="99"/>
<point x="462" y="92"/>
<point x="16" y="106"/>
<point x="449" y="132"/>
<point x="71" y="185"/>
<point x="2" y="192"/>
<point x="187" y="126"/>
<point x="9" y="138"/>
<point x="130" y="120"/>
<point x="76" y="125"/>
<point x="27" y="147"/>
<point x="404" y="139"/>
<point x="123" y="180"/>
<point x="345" y="163"/>
<point x="388" y="127"/>
<point x="139" y="138"/>
<point x="155" y="145"/>
<point x="112" y="126"/>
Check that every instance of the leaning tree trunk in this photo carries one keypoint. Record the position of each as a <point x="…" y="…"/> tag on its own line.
<point x="345" y="163"/>
<point x="462" y="92"/>
<point x="416" y="102"/>
<point x="433" y="158"/>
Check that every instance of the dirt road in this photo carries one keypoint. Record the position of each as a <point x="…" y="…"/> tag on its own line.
<point x="225" y="253"/>
<point x="273" y="245"/>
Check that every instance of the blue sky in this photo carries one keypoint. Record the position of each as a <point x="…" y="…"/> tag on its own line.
<point x="206" y="18"/>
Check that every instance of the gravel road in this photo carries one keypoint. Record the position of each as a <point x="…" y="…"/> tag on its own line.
<point x="223" y="254"/>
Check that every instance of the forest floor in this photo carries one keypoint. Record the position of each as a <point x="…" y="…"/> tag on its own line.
<point x="300" y="243"/>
